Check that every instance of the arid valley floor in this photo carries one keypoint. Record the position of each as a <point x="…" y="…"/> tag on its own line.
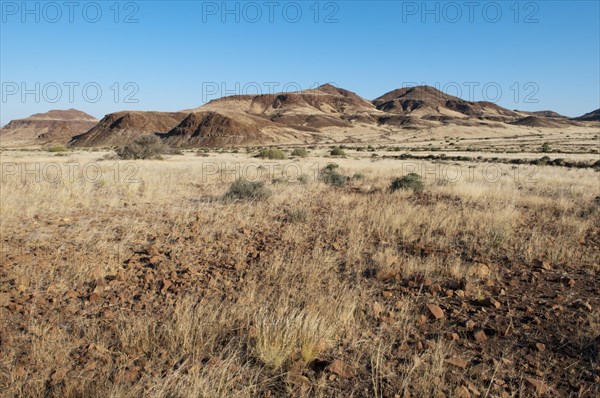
<point x="138" y="278"/>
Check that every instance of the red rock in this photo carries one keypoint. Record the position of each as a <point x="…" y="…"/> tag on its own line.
<point x="341" y="369"/>
<point x="404" y="347"/>
<point x="462" y="392"/>
<point x="480" y="336"/>
<point x="540" y="347"/>
<point x="536" y="385"/>
<point x="488" y="302"/>
<point x="94" y="298"/>
<point x="435" y="288"/>
<point x="458" y="362"/>
<point x="435" y="311"/>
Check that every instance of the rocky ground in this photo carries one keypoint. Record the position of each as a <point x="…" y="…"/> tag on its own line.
<point x="199" y="298"/>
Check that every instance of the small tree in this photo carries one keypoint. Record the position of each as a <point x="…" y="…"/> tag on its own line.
<point x="273" y="154"/>
<point x="410" y="181"/>
<point x="337" y="152"/>
<point x="247" y="190"/>
<point x="145" y="147"/>
<point x="301" y="152"/>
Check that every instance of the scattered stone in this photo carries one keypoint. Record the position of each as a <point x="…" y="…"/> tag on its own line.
<point x="488" y="302"/>
<point x="482" y="271"/>
<point x="470" y="324"/>
<point x="540" y="347"/>
<point x="542" y="264"/>
<point x="458" y="362"/>
<point x="388" y="294"/>
<point x="94" y="298"/>
<point x="462" y="392"/>
<point x="435" y="288"/>
<point x="480" y="336"/>
<point x="341" y="369"/>
<point x="435" y="311"/>
<point x="536" y="385"/>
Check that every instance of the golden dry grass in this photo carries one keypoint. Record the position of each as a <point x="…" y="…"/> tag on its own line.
<point x="148" y="284"/>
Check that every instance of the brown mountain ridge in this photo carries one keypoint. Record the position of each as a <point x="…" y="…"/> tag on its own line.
<point x="55" y="127"/>
<point x="325" y="114"/>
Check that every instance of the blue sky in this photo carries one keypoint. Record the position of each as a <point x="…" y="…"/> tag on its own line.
<point x="179" y="54"/>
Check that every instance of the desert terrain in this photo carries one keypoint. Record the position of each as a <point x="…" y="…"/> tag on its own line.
<point x="167" y="278"/>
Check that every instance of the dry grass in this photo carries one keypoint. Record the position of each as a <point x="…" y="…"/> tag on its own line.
<point x="208" y="298"/>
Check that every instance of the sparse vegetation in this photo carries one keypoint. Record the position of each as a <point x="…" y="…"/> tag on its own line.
<point x="329" y="175"/>
<point x="58" y="148"/>
<point x="300" y="152"/>
<point x="166" y="290"/>
<point x="411" y="181"/>
<point x="337" y="152"/>
<point x="145" y="147"/>
<point x="247" y="190"/>
<point x="272" y="153"/>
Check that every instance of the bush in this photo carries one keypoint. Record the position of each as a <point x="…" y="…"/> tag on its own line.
<point x="247" y="190"/>
<point x="58" y="148"/>
<point x="329" y="175"/>
<point x="296" y="215"/>
<point x="410" y="181"/>
<point x="337" y="152"/>
<point x="273" y="154"/>
<point x="145" y="147"/>
<point x="301" y="152"/>
<point x="303" y="179"/>
<point x="358" y="176"/>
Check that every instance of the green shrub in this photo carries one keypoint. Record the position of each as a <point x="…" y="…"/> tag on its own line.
<point x="301" y="152"/>
<point x="337" y="152"/>
<point x="145" y="147"/>
<point x="329" y="175"/>
<point x="331" y="167"/>
<point x="410" y="181"/>
<point x="247" y="190"/>
<point x="273" y="154"/>
<point x="58" y="148"/>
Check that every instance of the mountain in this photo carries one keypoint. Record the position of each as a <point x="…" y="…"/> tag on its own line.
<point x="272" y="118"/>
<point x="549" y="114"/>
<point x="593" y="116"/>
<point x="326" y="114"/>
<point x="55" y="127"/>
<point x="428" y="103"/>
<point x="123" y="127"/>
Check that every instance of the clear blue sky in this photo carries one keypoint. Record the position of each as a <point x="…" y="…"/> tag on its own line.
<point x="180" y="54"/>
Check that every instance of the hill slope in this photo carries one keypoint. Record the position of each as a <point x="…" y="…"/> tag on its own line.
<point x="56" y="127"/>
<point x="121" y="128"/>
